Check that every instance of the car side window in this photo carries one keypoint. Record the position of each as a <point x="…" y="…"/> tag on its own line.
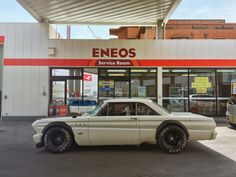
<point x="121" y="109"/>
<point x="103" y="111"/>
<point x="143" y="109"/>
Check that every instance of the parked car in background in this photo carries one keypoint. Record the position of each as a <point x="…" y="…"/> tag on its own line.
<point x="124" y="122"/>
<point x="231" y="111"/>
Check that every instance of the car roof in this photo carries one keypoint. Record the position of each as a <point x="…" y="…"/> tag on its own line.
<point x="117" y="100"/>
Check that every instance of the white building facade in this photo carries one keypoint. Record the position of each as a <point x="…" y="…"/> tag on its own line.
<point x="181" y="75"/>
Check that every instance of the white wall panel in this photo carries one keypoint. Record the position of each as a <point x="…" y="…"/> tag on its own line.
<point x="213" y="49"/>
<point x="165" y="49"/>
<point x="11" y="39"/>
<point x="221" y="49"/>
<point x="8" y="90"/>
<point x="17" y="92"/>
<point x="35" y="41"/>
<point x="44" y="87"/>
<point x="173" y="48"/>
<point x="44" y="34"/>
<point x="60" y="49"/>
<point x="34" y="91"/>
<point x="68" y="49"/>
<point x="197" y="48"/>
<point x="231" y="49"/>
<point x="189" y="49"/>
<point x="157" y="49"/>
<point x="206" y="49"/>
<point x="181" y="49"/>
<point x="28" y="42"/>
<point x="19" y="40"/>
<point x="26" y="90"/>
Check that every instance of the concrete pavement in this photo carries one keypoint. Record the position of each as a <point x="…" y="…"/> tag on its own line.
<point x="19" y="158"/>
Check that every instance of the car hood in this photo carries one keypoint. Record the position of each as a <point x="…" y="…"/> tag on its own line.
<point x="59" y="119"/>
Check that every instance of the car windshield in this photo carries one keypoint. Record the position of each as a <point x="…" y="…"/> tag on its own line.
<point x="94" y="112"/>
<point x="159" y="106"/>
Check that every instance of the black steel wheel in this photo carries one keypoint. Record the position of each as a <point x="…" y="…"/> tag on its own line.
<point x="58" y="139"/>
<point x="172" y="139"/>
<point x="232" y="125"/>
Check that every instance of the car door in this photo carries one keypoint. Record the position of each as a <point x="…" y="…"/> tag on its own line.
<point x="149" y="119"/>
<point x="115" y="124"/>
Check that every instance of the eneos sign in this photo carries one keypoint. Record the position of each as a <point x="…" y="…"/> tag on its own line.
<point x="113" y="56"/>
<point x="113" y="53"/>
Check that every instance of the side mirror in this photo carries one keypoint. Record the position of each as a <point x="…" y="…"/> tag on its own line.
<point x="74" y="115"/>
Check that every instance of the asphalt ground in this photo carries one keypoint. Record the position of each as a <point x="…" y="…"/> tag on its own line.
<point x="20" y="158"/>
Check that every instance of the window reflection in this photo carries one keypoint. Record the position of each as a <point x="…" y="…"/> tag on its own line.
<point x="175" y="89"/>
<point x="202" y="96"/>
<point x="224" y="79"/>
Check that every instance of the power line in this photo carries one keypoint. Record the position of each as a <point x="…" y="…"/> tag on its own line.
<point x="92" y="32"/>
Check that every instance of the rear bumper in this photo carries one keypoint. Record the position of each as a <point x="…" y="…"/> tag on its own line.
<point x="38" y="140"/>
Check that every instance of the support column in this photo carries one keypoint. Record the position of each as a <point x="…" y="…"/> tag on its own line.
<point x="159" y="85"/>
<point x="160" y="30"/>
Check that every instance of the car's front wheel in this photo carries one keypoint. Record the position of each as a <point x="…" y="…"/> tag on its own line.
<point x="58" y="139"/>
<point x="232" y="125"/>
<point x="172" y="139"/>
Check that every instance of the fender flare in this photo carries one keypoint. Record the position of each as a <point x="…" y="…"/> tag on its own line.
<point x="171" y="122"/>
<point x="58" y="124"/>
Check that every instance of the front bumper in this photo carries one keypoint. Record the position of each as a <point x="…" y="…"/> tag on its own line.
<point x="231" y="118"/>
<point x="38" y="140"/>
<point x="213" y="135"/>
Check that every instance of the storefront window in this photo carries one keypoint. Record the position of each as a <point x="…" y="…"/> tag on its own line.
<point x="224" y="79"/>
<point x="121" y="88"/>
<point x="202" y="95"/>
<point x="113" y="83"/>
<point x="175" y="89"/>
<point x="67" y="72"/>
<point x="106" y="88"/>
<point x="90" y="77"/>
<point x="143" y="83"/>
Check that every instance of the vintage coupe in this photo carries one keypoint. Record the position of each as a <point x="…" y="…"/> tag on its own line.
<point x="124" y="122"/>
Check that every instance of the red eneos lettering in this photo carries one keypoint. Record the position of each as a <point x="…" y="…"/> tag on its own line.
<point x="114" y="52"/>
<point x="132" y="53"/>
<point x="123" y="53"/>
<point x="95" y="52"/>
<point x="104" y="52"/>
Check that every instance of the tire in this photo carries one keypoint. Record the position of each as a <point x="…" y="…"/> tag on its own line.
<point x="58" y="139"/>
<point x="232" y="125"/>
<point x="172" y="139"/>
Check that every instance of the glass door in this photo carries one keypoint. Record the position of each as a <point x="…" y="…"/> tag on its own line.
<point x="59" y="92"/>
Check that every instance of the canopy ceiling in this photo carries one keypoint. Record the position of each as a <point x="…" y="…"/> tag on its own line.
<point x="122" y="12"/>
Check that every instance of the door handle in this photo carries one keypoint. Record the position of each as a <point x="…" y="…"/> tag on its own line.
<point x="133" y="118"/>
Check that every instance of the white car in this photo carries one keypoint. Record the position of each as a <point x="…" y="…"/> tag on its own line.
<point x="124" y="122"/>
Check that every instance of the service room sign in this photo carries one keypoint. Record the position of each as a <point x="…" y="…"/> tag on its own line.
<point x="114" y="56"/>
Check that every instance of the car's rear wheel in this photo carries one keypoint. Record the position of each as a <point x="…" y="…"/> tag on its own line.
<point x="172" y="139"/>
<point x="58" y="139"/>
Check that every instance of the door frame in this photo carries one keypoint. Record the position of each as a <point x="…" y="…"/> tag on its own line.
<point x="64" y="79"/>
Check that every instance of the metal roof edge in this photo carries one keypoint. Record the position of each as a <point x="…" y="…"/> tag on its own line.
<point x="30" y="10"/>
<point x="171" y="11"/>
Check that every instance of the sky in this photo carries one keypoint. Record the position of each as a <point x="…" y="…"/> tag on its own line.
<point x="11" y="11"/>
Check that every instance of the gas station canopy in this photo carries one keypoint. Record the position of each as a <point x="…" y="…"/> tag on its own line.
<point x="120" y="12"/>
